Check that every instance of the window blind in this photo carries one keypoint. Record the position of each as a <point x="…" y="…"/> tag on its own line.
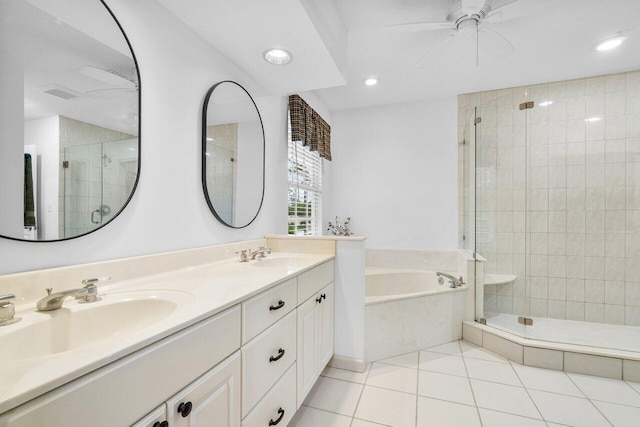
<point x="305" y="189"/>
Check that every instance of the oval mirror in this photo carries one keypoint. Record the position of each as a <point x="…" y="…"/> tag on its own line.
<point x="232" y="154"/>
<point x="69" y="118"/>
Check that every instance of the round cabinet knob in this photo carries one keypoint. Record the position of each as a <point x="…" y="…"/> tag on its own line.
<point x="185" y="409"/>
<point x="161" y="424"/>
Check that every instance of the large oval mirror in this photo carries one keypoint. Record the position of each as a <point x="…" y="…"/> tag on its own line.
<point x="69" y="118"/>
<point x="232" y="154"/>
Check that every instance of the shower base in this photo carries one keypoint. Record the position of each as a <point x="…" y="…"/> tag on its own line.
<point x="616" y="337"/>
<point x="582" y="355"/>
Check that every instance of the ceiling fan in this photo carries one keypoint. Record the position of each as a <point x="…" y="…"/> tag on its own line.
<point x="469" y="21"/>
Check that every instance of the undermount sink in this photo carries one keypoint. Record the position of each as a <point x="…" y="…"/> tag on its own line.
<point x="278" y="262"/>
<point x="77" y="325"/>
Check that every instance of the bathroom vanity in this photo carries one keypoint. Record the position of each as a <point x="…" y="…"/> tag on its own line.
<point x="243" y="345"/>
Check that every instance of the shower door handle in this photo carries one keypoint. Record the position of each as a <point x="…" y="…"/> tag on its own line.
<point x="97" y="211"/>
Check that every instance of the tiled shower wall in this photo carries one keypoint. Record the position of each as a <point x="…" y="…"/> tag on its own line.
<point x="558" y="197"/>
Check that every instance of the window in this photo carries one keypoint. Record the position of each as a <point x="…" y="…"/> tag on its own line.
<point x="305" y="189"/>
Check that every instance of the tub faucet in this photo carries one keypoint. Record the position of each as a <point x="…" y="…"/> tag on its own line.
<point x="454" y="282"/>
<point x="88" y="293"/>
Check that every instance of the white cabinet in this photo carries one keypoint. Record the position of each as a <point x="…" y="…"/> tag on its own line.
<point x="315" y="339"/>
<point x="213" y="399"/>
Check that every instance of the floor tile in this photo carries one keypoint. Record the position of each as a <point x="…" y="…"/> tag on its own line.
<point x="408" y="360"/>
<point x="492" y="371"/>
<point x="546" y="380"/>
<point x="346" y="375"/>
<point x="445" y="387"/>
<point x="635" y="386"/>
<point x="470" y="350"/>
<point x="500" y="419"/>
<point x="452" y="347"/>
<point x="504" y="398"/>
<point x="394" y="377"/>
<point x="567" y="410"/>
<point x="443" y="363"/>
<point x="362" y="423"/>
<point x="619" y="415"/>
<point x="606" y="389"/>
<point x="387" y="407"/>
<point x="432" y="412"/>
<point x="334" y="395"/>
<point x="310" y="417"/>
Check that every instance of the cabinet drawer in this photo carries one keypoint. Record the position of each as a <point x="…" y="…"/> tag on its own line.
<point x="265" y="309"/>
<point x="279" y="405"/>
<point x="158" y="415"/>
<point x="313" y="280"/>
<point x="266" y="358"/>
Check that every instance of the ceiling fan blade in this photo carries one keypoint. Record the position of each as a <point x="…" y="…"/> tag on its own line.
<point x="498" y="14"/>
<point x="439" y="46"/>
<point x="471" y="6"/>
<point x="417" y="26"/>
<point x="494" y="43"/>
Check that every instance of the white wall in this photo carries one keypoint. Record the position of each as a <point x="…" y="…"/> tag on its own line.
<point x="168" y="210"/>
<point x="45" y="134"/>
<point x="394" y="172"/>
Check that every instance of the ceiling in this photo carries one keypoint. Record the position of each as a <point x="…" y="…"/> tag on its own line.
<point x="337" y="43"/>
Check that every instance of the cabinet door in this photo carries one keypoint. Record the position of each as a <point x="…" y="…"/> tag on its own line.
<point x="325" y="324"/>
<point x="307" y="347"/>
<point x="154" y="418"/>
<point x="212" y="400"/>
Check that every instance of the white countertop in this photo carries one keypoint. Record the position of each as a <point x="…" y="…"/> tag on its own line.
<point x="210" y="288"/>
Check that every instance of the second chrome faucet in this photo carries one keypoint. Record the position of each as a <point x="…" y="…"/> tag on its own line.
<point x="87" y="294"/>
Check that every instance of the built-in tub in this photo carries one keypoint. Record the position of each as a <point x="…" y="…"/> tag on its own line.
<point x="408" y="310"/>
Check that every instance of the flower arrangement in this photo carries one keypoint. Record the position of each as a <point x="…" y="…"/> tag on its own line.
<point x="340" y="229"/>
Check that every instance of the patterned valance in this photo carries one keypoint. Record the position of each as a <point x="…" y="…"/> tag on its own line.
<point x="307" y="126"/>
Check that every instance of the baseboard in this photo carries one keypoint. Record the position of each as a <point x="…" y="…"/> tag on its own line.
<point x="348" y="363"/>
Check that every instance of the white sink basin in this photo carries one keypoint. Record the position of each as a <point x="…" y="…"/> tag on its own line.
<point x="290" y="262"/>
<point x="78" y="325"/>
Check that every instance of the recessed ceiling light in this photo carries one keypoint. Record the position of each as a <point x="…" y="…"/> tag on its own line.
<point x="370" y="81"/>
<point x="277" y="56"/>
<point x="546" y="103"/>
<point x="610" y="43"/>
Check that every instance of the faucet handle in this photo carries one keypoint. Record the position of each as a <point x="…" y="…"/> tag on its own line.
<point x="95" y="280"/>
<point x="7" y="297"/>
<point x="244" y="255"/>
<point x="7" y="310"/>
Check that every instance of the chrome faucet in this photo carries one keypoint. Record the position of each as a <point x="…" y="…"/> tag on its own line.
<point x="87" y="294"/>
<point x="7" y="310"/>
<point x="262" y="252"/>
<point x="454" y="282"/>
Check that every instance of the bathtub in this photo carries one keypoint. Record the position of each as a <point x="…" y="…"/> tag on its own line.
<point x="408" y="310"/>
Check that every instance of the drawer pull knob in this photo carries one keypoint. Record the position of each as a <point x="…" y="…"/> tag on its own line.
<point x="278" y="357"/>
<point x="277" y="307"/>
<point x="323" y="296"/>
<point x="319" y="300"/>
<point x="281" y="413"/>
<point x="161" y="424"/>
<point x="185" y="409"/>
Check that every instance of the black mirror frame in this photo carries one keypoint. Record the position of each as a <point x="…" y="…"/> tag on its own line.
<point x="135" y="185"/>
<point x="204" y="156"/>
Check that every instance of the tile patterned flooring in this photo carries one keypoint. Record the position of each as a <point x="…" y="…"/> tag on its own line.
<point x="459" y="384"/>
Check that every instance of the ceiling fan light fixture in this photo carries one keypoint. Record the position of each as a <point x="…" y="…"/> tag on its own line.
<point x="610" y="43"/>
<point x="370" y="81"/>
<point x="277" y="56"/>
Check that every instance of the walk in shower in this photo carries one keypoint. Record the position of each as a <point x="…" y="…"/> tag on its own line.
<point x="551" y="206"/>
<point x="96" y="181"/>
